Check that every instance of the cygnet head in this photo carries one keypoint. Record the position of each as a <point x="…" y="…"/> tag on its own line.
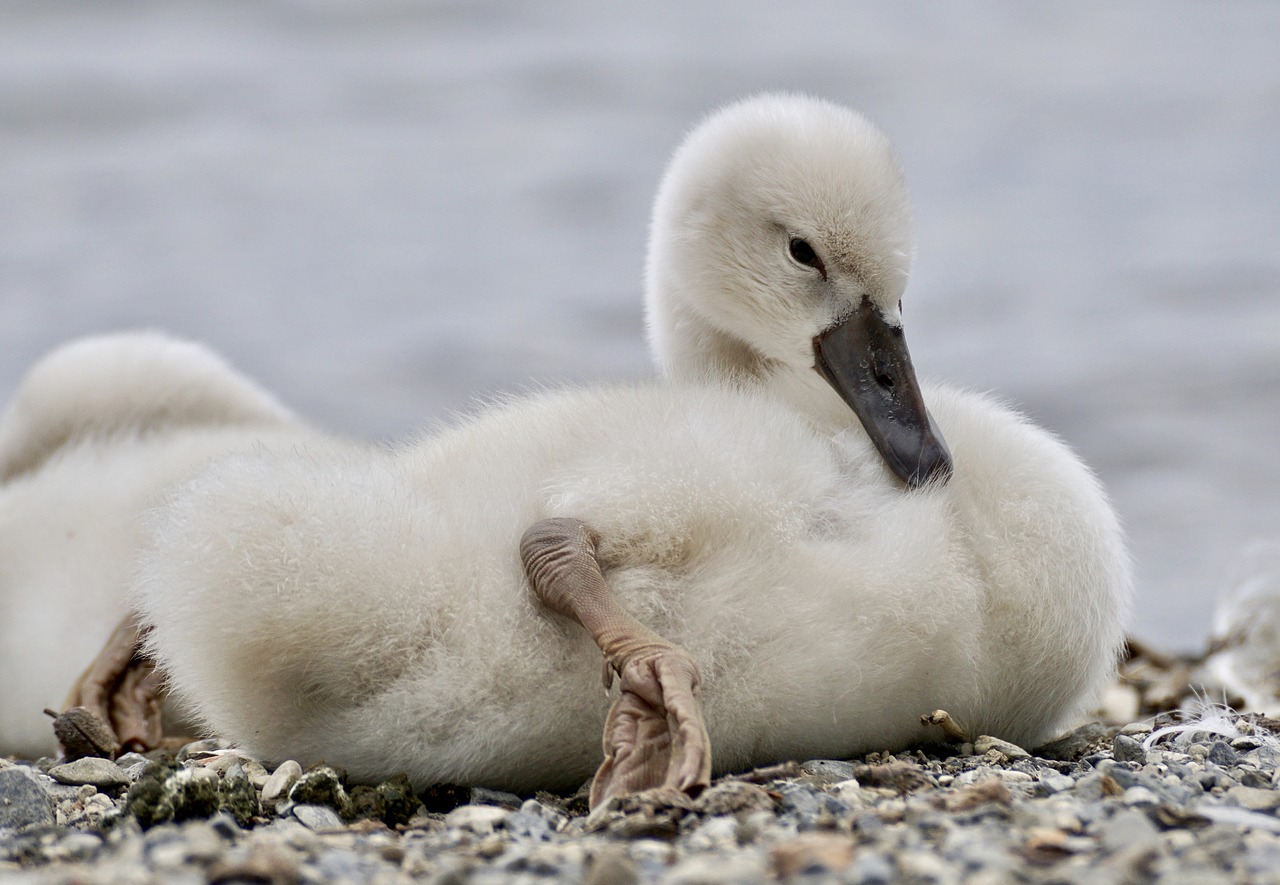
<point x="779" y="251"/>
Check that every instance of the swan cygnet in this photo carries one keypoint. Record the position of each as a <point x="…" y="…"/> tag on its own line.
<point x="778" y="532"/>
<point x="94" y="434"/>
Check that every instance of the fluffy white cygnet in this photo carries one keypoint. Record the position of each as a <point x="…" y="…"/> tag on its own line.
<point x="784" y="507"/>
<point x="96" y="432"/>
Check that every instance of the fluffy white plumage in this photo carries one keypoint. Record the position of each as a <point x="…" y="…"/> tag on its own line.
<point x="316" y="599"/>
<point x="369" y="608"/>
<point x="97" y="431"/>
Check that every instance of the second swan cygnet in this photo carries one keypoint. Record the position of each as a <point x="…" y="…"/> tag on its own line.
<point x="812" y="554"/>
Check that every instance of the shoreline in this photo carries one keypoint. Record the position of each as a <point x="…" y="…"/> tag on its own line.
<point x="1158" y="799"/>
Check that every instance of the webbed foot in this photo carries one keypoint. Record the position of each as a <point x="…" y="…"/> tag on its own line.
<point x="654" y="735"/>
<point x="121" y="690"/>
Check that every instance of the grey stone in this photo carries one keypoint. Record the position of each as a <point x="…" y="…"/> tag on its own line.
<point x="1222" y="754"/>
<point x="201" y="749"/>
<point x="280" y="781"/>
<point x="483" y="796"/>
<point x="1255" y="779"/>
<point x="800" y="800"/>
<point x="1139" y="796"/>
<point x="317" y="817"/>
<point x="872" y="868"/>
<point x="986" y="743"/>
<point x="1254" y="798"/>
<point x="23" y="800"/>
<point x="554" y="820"/>
<point x="1127" y="749"/>
<point x="477" y="818"/>
<point x="612" y="866"/>
<point x="1129" y="830"/>
<point x="828" y="771"/>
<point x="93" y="770"/>
<point x="1075" y="744"/>
<point x="711" y="869"/>
<point x="1053" y="782"/>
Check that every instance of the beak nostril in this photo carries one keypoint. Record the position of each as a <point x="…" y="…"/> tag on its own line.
<point x="884" y="380"/>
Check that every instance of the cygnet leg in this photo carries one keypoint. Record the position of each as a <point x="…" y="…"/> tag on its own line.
<point x="654" y="735"/>
<point x="122" y="688"/>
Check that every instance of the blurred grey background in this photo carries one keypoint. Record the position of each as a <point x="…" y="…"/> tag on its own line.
<point x="382" y="208"/>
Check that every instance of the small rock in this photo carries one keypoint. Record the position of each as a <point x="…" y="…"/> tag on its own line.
<point x="1097" y="785"/>
<point x="873" y="868"/>
<point x="256" y="773"/>
<point x="828" y="771"/>
<point x="1127" y="749"/>
<point x="612" y="866"/>
<point x="280" y="782"/>
<point x="483" y="796"/>
<point x="317" y="817"/>
<point x="239" y="798"/>
<point x="800" y="800"/>
<point x="1129" y="830"/>
<point x="850" y="791"/>
<point x="366" y="804"/>
<point x="101" y="773"/>
<point x="264" y="862"/>
<point x="399" y="800"/>
<point x="895" y="775"/>
<point x="1052" y="782"/>
<point x="703" y="869"/>
<point x="1139" y="796"/>
<point x="1075" y="744"/>
<point x="1220" y="753"/>
<point x="925" y="866"/>
<point x="23" y="801"/>
<point x="733" y="797"/>
<point x="443" y="798"/>
<point x="811" y="853"/>
<point x="986" y="743"/>
<point x="476" y="818"/>
<point x="981" y="793"/>
<point x="202" y="749"/>
<point x="165" y="793"/>
<point x="321" y="785"/>
<point x="1255" y="779"/>
<point x="1254" y="798"/>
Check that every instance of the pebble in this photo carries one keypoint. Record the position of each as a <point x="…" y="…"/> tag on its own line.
<point x="280" y="781"/>
<point x="93" y="770"/>
<point x="1128" y="749"/>
<point x="1100" y="809"/>
<point x="23" y="800"/>
<point x="476" y="818"/>
<point x="1221" y="753"/>
<point x="317" y="817"/>
<point x="985" y="744"/>
<point x="1254" y="798"/>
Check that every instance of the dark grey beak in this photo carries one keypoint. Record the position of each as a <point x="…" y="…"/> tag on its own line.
<point x="866" y="360"/>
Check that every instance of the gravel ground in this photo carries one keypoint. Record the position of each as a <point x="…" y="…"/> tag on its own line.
<point x="1160" y="799"/>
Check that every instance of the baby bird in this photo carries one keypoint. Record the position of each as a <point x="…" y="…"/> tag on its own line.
<point x="775" y="550"/>
<point x="779" y="550"/>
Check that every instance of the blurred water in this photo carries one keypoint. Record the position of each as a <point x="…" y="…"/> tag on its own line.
<point x="382" y="208"/>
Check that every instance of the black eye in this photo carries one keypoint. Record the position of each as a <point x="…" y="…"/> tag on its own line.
<point x="803" y="253"/>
